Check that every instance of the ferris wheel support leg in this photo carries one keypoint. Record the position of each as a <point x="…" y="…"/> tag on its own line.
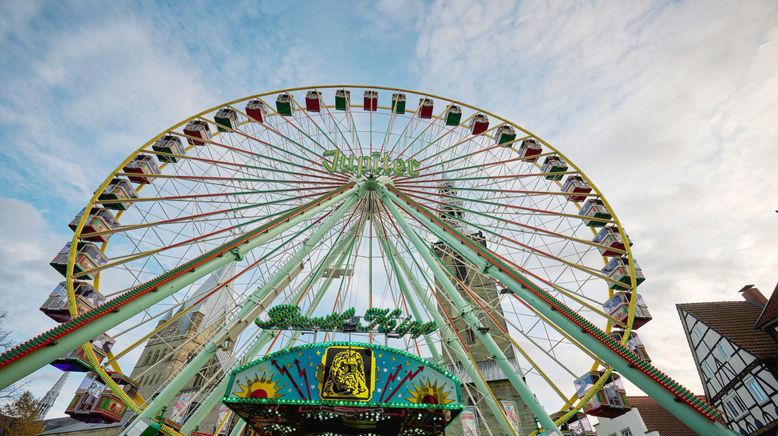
<point x="216" y="394"/>
<point x="404" y="286"/>
<point x="521" y="285"/>
<point x="95" y="322"/>
<point x="450" y="338"/>
<point x="266" y="336"/>
<point x="253" y="305"/>
<point x="344" y="254"/>
<point x="468" y="315"/>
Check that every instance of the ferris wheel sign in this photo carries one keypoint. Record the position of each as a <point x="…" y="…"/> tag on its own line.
<point x="386" y="321"/>
<point x="376" y="163"/>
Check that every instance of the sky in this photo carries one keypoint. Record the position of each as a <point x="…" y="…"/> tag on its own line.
<point x="669" y="107"/>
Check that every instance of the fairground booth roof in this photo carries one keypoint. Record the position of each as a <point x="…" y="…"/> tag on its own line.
<point x="344" y="388"/>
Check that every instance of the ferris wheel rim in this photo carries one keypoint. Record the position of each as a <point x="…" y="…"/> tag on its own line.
<point x="78" y="231"/>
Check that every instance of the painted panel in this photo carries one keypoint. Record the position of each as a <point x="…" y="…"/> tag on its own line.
<point x="341" y="373"/>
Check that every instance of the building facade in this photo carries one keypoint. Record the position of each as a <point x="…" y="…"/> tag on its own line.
<point x="476" y="287"/>
<point x="181" y="335"/>
<point x="645" y="418"/>
<point x="735" y="359"/>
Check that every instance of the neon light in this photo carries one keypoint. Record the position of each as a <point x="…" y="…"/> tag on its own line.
<point x="374" y="164"/>
<point x="386" y="321"/>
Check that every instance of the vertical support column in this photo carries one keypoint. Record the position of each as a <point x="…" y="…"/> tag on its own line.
<point x="216" y="394"/>
<point x="245" y="315"/>
<point x="401" y="280"/>
<point x="451" y="339"/>
<point x="520" y="285"/>
<point x="241" y="424"/>
<point x="468" y="315"/>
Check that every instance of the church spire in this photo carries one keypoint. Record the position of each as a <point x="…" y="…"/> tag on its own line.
<point x="45" y="403"/>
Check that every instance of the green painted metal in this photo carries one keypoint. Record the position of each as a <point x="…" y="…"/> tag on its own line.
<point x="267" y="336"/>
<point x="245" y="316"/>
<point x="468" y="315"/>
<point x="40" y="357"/>
<point x="403" y="284"/>
<point x="238" y="429"/>
<point x="216" y="394"/>
<point x="450" y="338"/>
<point x="691" y="417"/>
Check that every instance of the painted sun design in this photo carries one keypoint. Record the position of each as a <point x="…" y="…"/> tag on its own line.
<point x="259" y="387"/>
<point x="428" y="393"/>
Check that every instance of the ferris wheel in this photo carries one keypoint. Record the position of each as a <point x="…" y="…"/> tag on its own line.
<point x="464" y="240"/>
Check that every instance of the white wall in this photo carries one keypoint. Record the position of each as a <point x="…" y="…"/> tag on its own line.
<point x="630" y="420"/>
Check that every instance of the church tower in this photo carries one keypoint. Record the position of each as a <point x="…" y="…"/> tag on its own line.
<point x="48" y="400"/>
<point x="183" y="334"/>
<point x="477" y="288"/>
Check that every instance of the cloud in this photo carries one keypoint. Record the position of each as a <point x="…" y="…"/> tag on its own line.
<point x="27" y="244"/>
<point x="88" y="97"/>
<point x="667" y="107"/>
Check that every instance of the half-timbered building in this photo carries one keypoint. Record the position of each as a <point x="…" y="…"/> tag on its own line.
<point x="735" y="359"/>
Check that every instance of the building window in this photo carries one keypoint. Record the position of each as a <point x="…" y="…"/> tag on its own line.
<point x="734" y="406"/>
<point x="626" y="432"/>
<point x="708" y="370"/>
<point x="756" y="390"/>
<point x="470" y="336"/>
<point x="723" y="353"/>
<point x="697" y="332"/>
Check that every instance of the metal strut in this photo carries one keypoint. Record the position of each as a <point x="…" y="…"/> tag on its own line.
<point x="216" y="394"/>
<point x="253" y="305"/>
<point x="468" y="315"/>
<point x="669" y="394"/>
<point x="30" y="356"/>
<point x="450" y="338"/>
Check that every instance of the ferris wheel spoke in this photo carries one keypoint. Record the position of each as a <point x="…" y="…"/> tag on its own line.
<point x="391" y="264"/>
<point x="337" y="124"/>
<point x="406" y="188"/>
<point x="467" y="139"/>
<point x="245" y="167"/>
<point x="531" y="210"/>
<point x="337" y="253"/>
<point x="188" y="242"/>
<point x="458" y="345"/>
<point x="493" y="216"/>
<point x="204" y="215"/>
<point x="206" y="179"/>
<point x="267" y="126"/>
<point x="288" y="121"/>
<point x="388" y="131"/>
<point x="578" y="298"/>
<point x="325" y="186"/>
<point x="207" y="293"/>
<point x="412" y="119"/>
<point x="260" y="156"/>
<point x="490" y="313"/>
<point x="469" y="156"/>
<point x="467" y="315"/>
<point x="430" y="123"/>
<point x="313" y="121"/>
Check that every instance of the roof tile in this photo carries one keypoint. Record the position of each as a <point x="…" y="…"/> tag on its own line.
<point x="658" y="419"/>
<point x="735" y="320"/>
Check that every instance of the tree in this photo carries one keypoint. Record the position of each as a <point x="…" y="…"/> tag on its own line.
<point x="5" y="335"/>
<point x="13" y="391"/>
<point x="21" y="417"/>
